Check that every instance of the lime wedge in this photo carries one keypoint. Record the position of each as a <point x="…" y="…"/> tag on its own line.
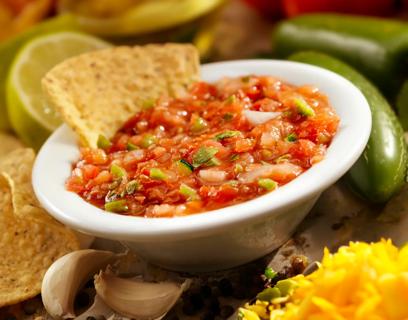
<point x="30" y="116"/>
<point x="9" y="48"/>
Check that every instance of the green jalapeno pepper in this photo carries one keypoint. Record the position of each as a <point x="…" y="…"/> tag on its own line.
<point x="376" y="47"/>
<point x="381" y="171"/>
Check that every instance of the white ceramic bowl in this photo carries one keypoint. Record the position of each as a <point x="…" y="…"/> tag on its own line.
<point x="226" y="237"/>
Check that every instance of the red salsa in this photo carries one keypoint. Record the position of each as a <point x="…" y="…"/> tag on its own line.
<point x="222" y="144"/>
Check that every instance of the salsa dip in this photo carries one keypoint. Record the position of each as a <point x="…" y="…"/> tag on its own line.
<point x="219" y="145"/>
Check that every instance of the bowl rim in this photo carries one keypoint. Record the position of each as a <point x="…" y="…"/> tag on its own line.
<point x="75" y="212"/>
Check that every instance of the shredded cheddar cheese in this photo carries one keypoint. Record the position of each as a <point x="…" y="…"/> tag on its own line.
<point x="359" y="282"/>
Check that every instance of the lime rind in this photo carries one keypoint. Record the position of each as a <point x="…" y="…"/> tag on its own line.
<point x="29" y="114"/>
<point x="9" y="48"/>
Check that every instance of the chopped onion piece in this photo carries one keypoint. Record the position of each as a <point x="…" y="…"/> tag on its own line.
<point x="259" y="117"/>
<point x="279" y="172"/>
<point x="213" y="176"/>
<point x="161" y="210"/>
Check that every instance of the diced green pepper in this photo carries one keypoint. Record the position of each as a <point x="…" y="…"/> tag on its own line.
<point x="267" y="184"/>
<point x="242" y="314"/>
<point x="269" y="294"/>
<point x="291" y="137"/>
<point x="148" y="140"/>
<point x="117" y="171"/>
<point x="199" y="124"/>
<point x="188" y="192"/>
<point x="148" y="104"/>
<point x="132" y="187"/>
<point x="270" y="273"/>
<point x="234" y="157"/>
<point x="103" y="142"/>
<point x="286" y="287"/>
<point x="157" y="174"/>
<point x="227" y="134"/>
<point x="303" y="107"/>
<point x="184" y="167"/>
<point x="116" y="206"/>
<point x="231" y="99"/>
<point x="130" y="146"/>
<point x="203" y="155"/>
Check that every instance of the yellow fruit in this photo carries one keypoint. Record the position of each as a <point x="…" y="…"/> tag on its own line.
<point x="30" y="116"/>
<point x="9" y="49"/>
<point x="142" y="17"/>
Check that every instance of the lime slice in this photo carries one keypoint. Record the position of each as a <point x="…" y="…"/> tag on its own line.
<point x="30" y="116"/>
<point x="143" y="17"/>
<point x="9" y="48"/>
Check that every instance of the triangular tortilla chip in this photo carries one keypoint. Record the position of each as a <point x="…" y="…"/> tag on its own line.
<point x="97" y="92"/>
<point x="16" y="168"/>
<point x="28" y="248"/>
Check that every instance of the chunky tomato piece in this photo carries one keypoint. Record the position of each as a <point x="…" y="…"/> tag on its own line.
<point x="226" y="194"/>
<point x="203" y="91"/>
<point x="90" y="171"/>
<point x="243" y="145"/>
<point x="75" y="184"/>
<point x="94" y="156"/>
<point x="222" y="144"/>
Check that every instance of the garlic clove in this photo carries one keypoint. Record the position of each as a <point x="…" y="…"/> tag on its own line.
<point x="67" y="275"/>
<point x="137" y="299"/>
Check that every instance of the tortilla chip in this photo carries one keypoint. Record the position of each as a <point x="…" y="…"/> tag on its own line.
<point x="18" y="165"/>
<point x="97" y="92"/>
<point x="30" y="239"/>
<point x="27" y="251"/>
<point x="16" y="168"/>
<point x="8" y="143"/>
